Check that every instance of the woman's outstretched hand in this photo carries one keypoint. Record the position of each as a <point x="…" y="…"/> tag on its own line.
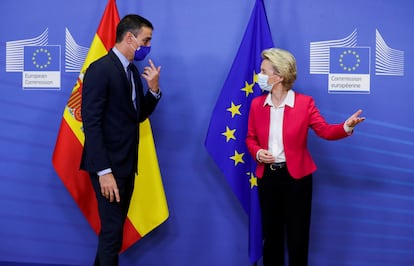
<point x="355" y="119"/>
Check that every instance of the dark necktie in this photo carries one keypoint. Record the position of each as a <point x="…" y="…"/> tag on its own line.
<point x="129" y="75"/>
<point x="130" y="79"/>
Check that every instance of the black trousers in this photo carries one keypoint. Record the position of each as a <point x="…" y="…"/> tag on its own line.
<point x="112" y="216"/>
<point x="286" y="210"/>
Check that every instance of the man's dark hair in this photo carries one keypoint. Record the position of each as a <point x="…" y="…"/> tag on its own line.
<point x="131" y="23"/>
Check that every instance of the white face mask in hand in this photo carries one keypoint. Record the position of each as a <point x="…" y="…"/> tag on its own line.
<point x="262" y="80"/>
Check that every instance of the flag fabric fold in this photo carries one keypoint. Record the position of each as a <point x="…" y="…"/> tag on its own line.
<point x="225" y="140"/>
<point x="148" y="207"/>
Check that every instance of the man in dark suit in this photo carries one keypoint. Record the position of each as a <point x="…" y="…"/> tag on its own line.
<point x="113" y="105"/>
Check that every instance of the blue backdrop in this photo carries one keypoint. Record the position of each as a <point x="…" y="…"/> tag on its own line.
<point x="363" y="189"/>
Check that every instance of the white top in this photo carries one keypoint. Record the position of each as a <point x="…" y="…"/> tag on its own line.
<point x="276" y="125"/>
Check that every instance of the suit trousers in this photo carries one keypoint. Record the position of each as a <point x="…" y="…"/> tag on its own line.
<point x="112" y="216"/>
<point x="286" y="211"/>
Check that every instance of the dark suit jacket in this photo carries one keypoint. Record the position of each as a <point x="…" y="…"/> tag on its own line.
<point x="110" y="122"/>
<point x="296" y="123"/>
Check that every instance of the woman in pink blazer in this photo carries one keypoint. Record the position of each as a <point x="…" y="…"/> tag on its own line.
<point x="277" y="137"/>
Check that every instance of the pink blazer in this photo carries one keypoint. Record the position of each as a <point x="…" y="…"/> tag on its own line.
<point x="296" y="122"/>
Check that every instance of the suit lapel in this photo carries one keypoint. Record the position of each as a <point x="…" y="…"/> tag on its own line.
<point x="121" y="72"/>
<point x="118" y="65"/>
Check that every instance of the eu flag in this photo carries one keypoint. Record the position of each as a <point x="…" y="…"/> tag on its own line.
<point x="349" y="60"/>
<point x="225" y="140"/>
<point x="42" y="58"/>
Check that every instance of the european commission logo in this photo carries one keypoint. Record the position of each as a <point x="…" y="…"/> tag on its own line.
<point x="41" y="66"/>
<point x="348" y="65"/>
<point x="40" y="63"/>
<point x="349" y="69"/>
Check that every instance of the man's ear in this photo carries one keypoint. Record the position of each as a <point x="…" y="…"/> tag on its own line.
<point x="128" y="38"/>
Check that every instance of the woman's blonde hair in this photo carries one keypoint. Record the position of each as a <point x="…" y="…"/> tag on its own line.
<point x="284" y="64"/>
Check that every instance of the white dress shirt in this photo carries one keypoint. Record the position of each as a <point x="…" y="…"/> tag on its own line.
<point x="276" y="125"/>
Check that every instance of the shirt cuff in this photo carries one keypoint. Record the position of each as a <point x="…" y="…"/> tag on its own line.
<point x="104" y="172"/>
<point x="348" y="129"/>
<point x="156" y="95"/>
<point x="257" y="155"/>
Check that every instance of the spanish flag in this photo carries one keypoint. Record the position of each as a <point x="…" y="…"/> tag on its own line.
<point x="148" y="208"/>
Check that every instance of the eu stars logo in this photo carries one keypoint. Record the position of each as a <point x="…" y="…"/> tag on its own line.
<point x="42" y="58"/>
<point x="349" y="69"/>
<point x="354" y="58"/>
<point x="41" y="66"/>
